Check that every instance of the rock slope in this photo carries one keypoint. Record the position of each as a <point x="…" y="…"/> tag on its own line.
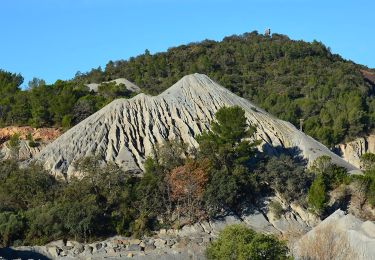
<point x="129" y="85"/>
<point x="352" y="151"/>
<point x="359" y="234"/>
<point x="127" y="130"/>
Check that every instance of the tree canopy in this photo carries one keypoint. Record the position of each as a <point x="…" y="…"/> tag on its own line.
<point x="291" y="79"/>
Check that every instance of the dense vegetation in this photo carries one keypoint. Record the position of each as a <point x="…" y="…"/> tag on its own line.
<point x="61" y="104"/>
<point x="241" y="243"/>
<point x="291" y="79"/>
<point x="179" y="187"/>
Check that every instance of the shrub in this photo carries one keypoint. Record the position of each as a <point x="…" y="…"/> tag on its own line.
<point x="317" y="196"/>
<point x="276" y="208"/>
<point x="240" y="242"/>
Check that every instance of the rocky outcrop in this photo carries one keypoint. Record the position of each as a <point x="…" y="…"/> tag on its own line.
<point x="129" y="85"/>
<point x="41" y="134"/>
<point x="127" y="130"/>
<point x="25" y="151"/>
<point x="352" y="151"/>
<point x="351" y="235"/>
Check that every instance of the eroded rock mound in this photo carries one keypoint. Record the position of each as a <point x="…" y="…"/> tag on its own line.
<point x="127" y="130"/>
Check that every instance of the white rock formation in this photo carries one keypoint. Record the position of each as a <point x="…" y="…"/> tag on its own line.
<point x="127" y="130"/>
<point x="129" y="85"/>
<point x="352" y="151"/>
<point x="354" y="237"/>
<point x="25" y="151"/>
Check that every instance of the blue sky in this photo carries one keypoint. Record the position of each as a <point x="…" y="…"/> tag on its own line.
<point x="53" y="39"/>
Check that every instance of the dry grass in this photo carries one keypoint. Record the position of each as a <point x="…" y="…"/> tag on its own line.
<point x="326" y="243"/>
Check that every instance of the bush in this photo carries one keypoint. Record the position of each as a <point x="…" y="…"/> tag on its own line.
<point x="317" y="196"/>
<point x="287" y="177"/>
<point x="240" y="242"/>
<point x="276" y="208"/>
<point x="11" y="228"/>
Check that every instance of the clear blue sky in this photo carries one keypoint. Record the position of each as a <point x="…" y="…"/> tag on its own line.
<point x="53" y="39"/>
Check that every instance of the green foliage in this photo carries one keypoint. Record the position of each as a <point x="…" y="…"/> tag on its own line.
<point x="290" y="79"/>
<point x="276" y="208"/>
<point x="32" y="143"/>
<point x="14" y="141"/>
<point x="317" y="196"/>
<point x="239" y="243"/>
<point x="287" y="177"/>
<point x="11" y="228"/>
<point x="368" y="163"/>
<point x="229" y="154"/>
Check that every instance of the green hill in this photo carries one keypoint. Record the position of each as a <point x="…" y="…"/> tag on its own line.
<point x="291" y="79"/>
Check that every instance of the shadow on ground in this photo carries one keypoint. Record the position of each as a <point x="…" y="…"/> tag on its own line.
<point x="9" y="253"/>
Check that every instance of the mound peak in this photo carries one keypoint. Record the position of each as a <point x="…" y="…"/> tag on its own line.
<point x="127" y="130"/>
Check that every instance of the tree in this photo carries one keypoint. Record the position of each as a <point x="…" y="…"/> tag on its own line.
<point x="229" y="154"/>
<point x="11" y="228"/>
<point x="317" y="196"/>
<point x="187" y="184"/>
<point x="239" y="243"/>
<point x="287" y="177"/>
<point x="14" y="146"/>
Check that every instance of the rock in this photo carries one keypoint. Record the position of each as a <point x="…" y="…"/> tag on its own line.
<point x="78" y="248"/>
<point x="129" y="255"/>
<point x="134" y="247"/>
<point x="259" y="223"/>
<point x="54" y="251"/>
<point x="126" y="130"/>
<point x="148" y="248"/>
<point x="219" y="224"/>
<point x="197" y="240"/>
<point x="171" y="242"/>
<point x="163" y="232"/>
<point x="359" y="234"/>
<point x="189" y="230"/>
<point x="352" y="151"/>
<point x="88" y="249"/>
<point x="160" y="243"/>
<point x="134" y="241"/>
<point x="129" y="85"/>
<point x="58" y="243"/>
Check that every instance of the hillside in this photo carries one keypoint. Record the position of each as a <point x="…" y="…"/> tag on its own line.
<point x="290" y="79"/>
<point x="128" y="130"/>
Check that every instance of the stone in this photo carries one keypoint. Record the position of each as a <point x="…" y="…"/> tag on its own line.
<point x="78" y="248"/>
<point x="197" y="240"/>
<point x="359" y="234"/>
<point x="352" y="151"/>
<point x="126" y="131"/>
<point x="54" y="251"/>
<point x="134" y="247"/>
<point x="160" y="243"/>
<point x="171" y="242"/>
<point x="129" y="255"/>
<point x="134" y="241"/>
<point x="148" y="248"/>
<point x="88" y="249"/>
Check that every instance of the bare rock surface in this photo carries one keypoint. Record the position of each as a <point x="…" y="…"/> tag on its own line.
<point x="129" y="85"/>
<point x="352" y="151"/>
<point x="25" y="151"/>
<point x="127" y="130"/>
<point x="360" y="234"/>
